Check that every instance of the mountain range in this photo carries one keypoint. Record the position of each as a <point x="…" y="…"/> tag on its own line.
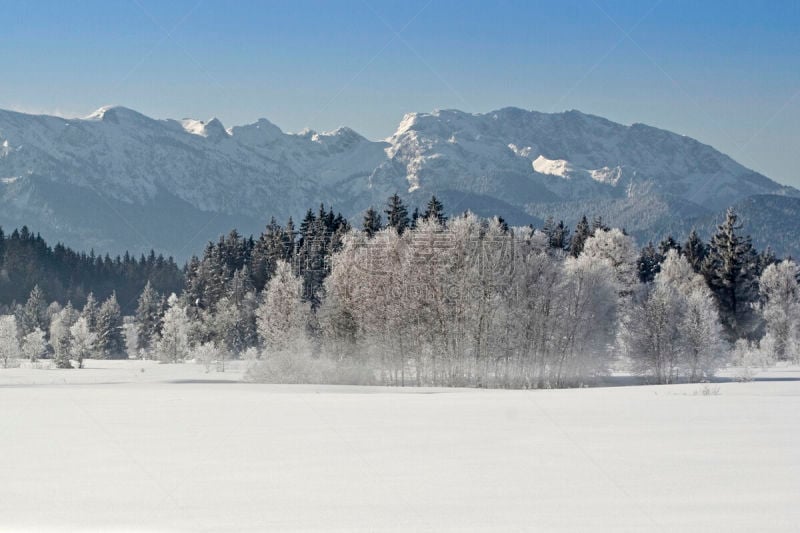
<point x="118" y="180"/>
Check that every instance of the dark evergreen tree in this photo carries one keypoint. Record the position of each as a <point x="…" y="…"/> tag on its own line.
<point x="766" y="258"/>
<point x="372" y="222"/>
<point x="582" y="232"/>
<point x="667" y="244"/>
<point x="396" y="214"/>
<point x="435" y="211"/>
<point x="695" y="251"/>
<point x="557" y="234"/>
<point x="597" y="223"/>
<point x="730" y="268"/>
<point x="415" y="218"/>
<point x="649" y="263"/>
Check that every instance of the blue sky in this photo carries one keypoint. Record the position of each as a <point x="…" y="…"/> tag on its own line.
<point x="726" y="73"/>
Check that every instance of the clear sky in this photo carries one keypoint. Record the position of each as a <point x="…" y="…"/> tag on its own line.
<point x="724" y="72"/>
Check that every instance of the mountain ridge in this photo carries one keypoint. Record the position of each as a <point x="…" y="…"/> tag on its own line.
<point x="525" y="162"/>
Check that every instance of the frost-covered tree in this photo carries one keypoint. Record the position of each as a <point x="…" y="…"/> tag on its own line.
<point x="206" y="354"/>
<point x="34" y="345"/>
<point x="131" y="336"/>
<point x="701" y="332"/>
<point x="282" y="315"/>
<point x="651" y="335"/>
<point x="148" y="317"/>
<point x="234" y="323"/>
<point x="674" y="330"/>
<point x="731" y="270"/>
<point x="108" y="327"/>
<point x="83" y="340"/>
<point x="173" y="344"/>
<point x="590" y="301"/>
<point x="60" y="336"/>
<point x="34" y="313"/>
<point x="780" y="307"/>
<point x="89" y="312"/>
<point x="9" y="344"/>
<point x="619" y="250"/>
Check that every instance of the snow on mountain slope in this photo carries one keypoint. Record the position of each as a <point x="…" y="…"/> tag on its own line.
<point x="102" y="180"/>
<point x="599" y="157"/>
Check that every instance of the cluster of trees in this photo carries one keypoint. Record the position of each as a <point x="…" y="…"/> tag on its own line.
<point x="422" y="299"/>
<point x="37" y="330"/>
<point x="68" y="276"/>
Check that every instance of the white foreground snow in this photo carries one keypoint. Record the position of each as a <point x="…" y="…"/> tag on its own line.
<point x="115" y="448"/>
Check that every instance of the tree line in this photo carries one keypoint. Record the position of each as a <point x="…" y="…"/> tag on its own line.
<point x="65" y="275"/>
<point x="424" y="298"/>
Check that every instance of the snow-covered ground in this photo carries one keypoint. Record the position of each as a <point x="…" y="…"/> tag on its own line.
<point x="136" y="446"/>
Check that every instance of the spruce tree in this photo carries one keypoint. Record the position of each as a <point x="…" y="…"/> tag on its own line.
<point x="110" y="340"/>
<point x="90" y="312"/>
<point x="372" y="222"/>
<point x="435" y="211"/>
<point x="730" y="269"/>
<point x="667" y="244"/>
<point x="648" y="263"/>
<point x="557" y="234"/>
<point x="415" y="218"/>
<point x="396" y="214"/>
<point x="695" y="251"/>
<point x="34" y="313"/>
<point x="147" y="320"/>
<point x="582" y="232"/>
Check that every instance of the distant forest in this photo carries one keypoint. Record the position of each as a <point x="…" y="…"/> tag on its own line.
<point x="65" y="275"/>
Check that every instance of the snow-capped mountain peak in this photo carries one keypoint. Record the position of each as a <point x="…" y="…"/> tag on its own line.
<point x="504" y="162"/>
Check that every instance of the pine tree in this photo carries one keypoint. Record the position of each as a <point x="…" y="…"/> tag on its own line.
<point x="766" y="258"/>
<point x="372" y="222"/>
<point x="582" y="232"/>
<point x="34" y="313"/>
<point x="667" y="244"/>
<point x="730" y="270"/>
<point x="695" y="251"/>
<point x="598" y="224"/>
<point x="396" y="214"/>
<point x="415" y="216"/>
<point x="648" y="263"/>
<point x="557" y="234"/>
<point x="90" y="311"/>
<point x="148" y="317"/>
<point x="435" y="211"/>
<point x="110" y="340"/>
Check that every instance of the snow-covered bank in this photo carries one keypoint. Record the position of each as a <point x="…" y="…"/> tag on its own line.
<point x="113" y="447"/>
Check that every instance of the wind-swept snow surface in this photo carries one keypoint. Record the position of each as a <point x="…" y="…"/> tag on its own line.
<point x="144" y="447"/>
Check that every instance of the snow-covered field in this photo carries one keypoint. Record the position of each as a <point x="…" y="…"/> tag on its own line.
<point x="136" y="446"/>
